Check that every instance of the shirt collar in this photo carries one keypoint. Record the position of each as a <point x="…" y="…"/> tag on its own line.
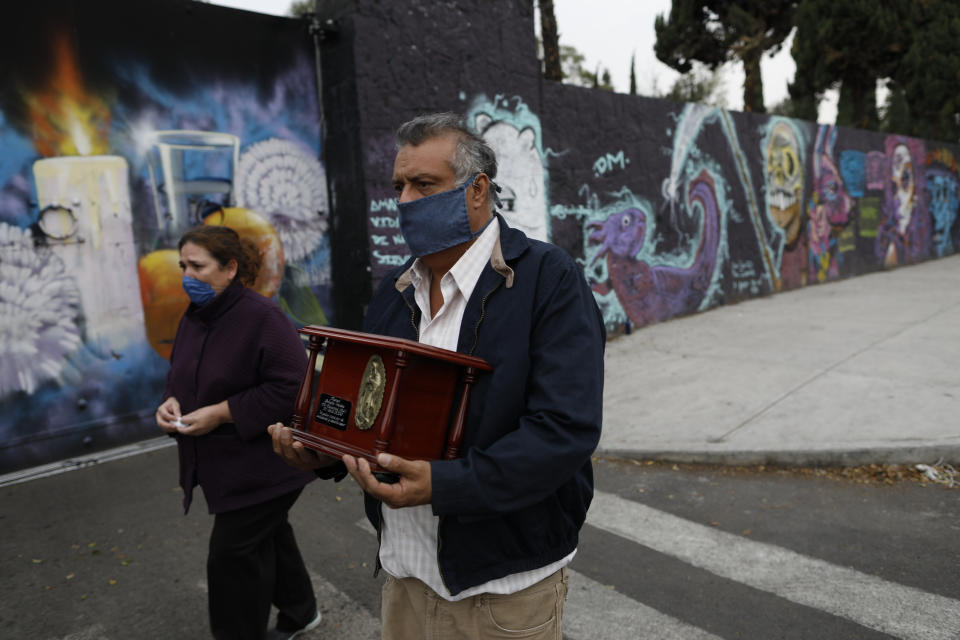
<point x="466" y="271"/>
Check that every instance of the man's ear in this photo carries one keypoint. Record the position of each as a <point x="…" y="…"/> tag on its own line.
<point x="477" y="193"/>
<point x="478" y="207"/>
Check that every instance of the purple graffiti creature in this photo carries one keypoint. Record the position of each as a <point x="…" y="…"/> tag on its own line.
<point x="830" y="210"/>
<point x="903" y="235"/>
<point x="651" y="293"/>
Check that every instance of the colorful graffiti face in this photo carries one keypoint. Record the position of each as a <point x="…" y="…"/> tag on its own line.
<point x="833" y="202"/>
<point x="901" y="173"/>
<point x="622" y="234"/>
<point x="830" y="210"/>
<point x="944" y="201"/>
<point x="904" y="233"/>
<point x="784" y="173"/>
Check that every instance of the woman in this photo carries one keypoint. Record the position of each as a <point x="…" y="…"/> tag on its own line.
<point x="235" y="368"/>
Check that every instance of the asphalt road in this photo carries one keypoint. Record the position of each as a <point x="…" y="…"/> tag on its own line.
<point x="105" y="552"/>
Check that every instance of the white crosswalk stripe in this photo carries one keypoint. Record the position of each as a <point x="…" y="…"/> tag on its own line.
<point x="901" y="611"/>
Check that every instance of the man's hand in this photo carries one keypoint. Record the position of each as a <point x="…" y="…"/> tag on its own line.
<point x="167" y="413"/>
<point x="293" y="452"/>
<point x="413" y="488"/>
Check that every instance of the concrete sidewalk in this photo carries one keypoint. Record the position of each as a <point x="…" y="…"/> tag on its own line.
<point x="857" y="371"/>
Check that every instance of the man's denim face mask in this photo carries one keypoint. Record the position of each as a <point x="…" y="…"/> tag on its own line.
<point x="199" y="292"/>
<point x="437" y="222"/>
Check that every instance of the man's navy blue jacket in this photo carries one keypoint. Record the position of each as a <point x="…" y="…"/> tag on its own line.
<point x="517" y="497"/>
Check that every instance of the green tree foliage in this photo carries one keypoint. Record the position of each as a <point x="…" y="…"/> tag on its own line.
<point x="552" y="54"/>
<point x="301" y="8"/>
<point x="717" y="31"/>
<point x="574" y="72"/>
<point x="895" y="113"/>
<point x="701" y="84"/>
<point x="850" y="44"/>
<point x="929" y="74"/>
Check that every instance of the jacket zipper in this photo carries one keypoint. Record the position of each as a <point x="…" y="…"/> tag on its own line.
<point x="483" y="313"/>
<point x="413" y="319"/>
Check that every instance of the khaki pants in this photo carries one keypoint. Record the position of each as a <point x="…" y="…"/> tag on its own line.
<point x="410" y="610"/>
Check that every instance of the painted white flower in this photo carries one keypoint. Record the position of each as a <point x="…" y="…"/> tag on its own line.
<point x="279" y="180"/>
<point x="39" y="304"/>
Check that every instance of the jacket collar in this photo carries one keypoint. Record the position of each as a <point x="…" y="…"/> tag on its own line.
<point x="509" y="246"/>
<point x="209" y="312"/>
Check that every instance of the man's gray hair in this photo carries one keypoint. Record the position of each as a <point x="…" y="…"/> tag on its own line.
<point x="472" y="154"/>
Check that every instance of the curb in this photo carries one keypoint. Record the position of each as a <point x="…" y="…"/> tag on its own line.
<point x="925" y="454"/>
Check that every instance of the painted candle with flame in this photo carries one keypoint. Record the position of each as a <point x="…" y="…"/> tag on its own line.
<point x="85" y="214"/>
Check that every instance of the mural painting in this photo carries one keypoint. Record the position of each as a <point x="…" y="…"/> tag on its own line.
<point x="784" y="151"/>
<point x="904" y="233"/>
<point x="730" y="210"/>
<point x="829" y="209"/>
<point x="943" y="192"/>
<point x="106" y="160"/>
<point x="513" y="132"/>
<point x="114" y="142"/>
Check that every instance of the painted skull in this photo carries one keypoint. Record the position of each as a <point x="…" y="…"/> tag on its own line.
<point x="903" y="179"/>
<point x="784" y="173"/>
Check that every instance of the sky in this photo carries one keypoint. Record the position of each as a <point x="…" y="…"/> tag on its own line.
<point x="609" y="32"/>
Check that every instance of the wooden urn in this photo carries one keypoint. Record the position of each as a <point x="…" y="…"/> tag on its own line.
<point x="376" y="394"/>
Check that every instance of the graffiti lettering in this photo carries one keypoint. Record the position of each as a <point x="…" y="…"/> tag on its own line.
<point x="380" y="241"/>
<point x="745" y="277"/>
<point x="388" y="204"/>
<point x="743" y="269"/>
<point x="561" y="211"/>
<point x="754" y="286"/>
<point x="609" y="162"/>
<point x="389" y="259"/>
<point x="398" y="238"/>
<point x="385" y="221"/>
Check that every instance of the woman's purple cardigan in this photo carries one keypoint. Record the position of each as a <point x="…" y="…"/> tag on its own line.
<point x="240" y="347"/>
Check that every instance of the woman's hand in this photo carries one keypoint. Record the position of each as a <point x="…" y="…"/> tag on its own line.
<point x="205" y="419"/>
<point x="167" y="414"/>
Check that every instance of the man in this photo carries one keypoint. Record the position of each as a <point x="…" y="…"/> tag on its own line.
<point x="480" y="544"/>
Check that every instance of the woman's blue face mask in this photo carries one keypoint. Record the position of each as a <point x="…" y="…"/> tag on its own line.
<point x="199" y="292"/>
<point x="437" y="222"/>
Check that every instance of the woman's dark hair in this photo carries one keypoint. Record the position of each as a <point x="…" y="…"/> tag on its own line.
<point x="225" y="244"/>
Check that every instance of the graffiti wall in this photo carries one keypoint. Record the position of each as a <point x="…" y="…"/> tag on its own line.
<point x="691" y="206"/>
<point x="121" y="126"/>
<point x="670" y="208"/>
